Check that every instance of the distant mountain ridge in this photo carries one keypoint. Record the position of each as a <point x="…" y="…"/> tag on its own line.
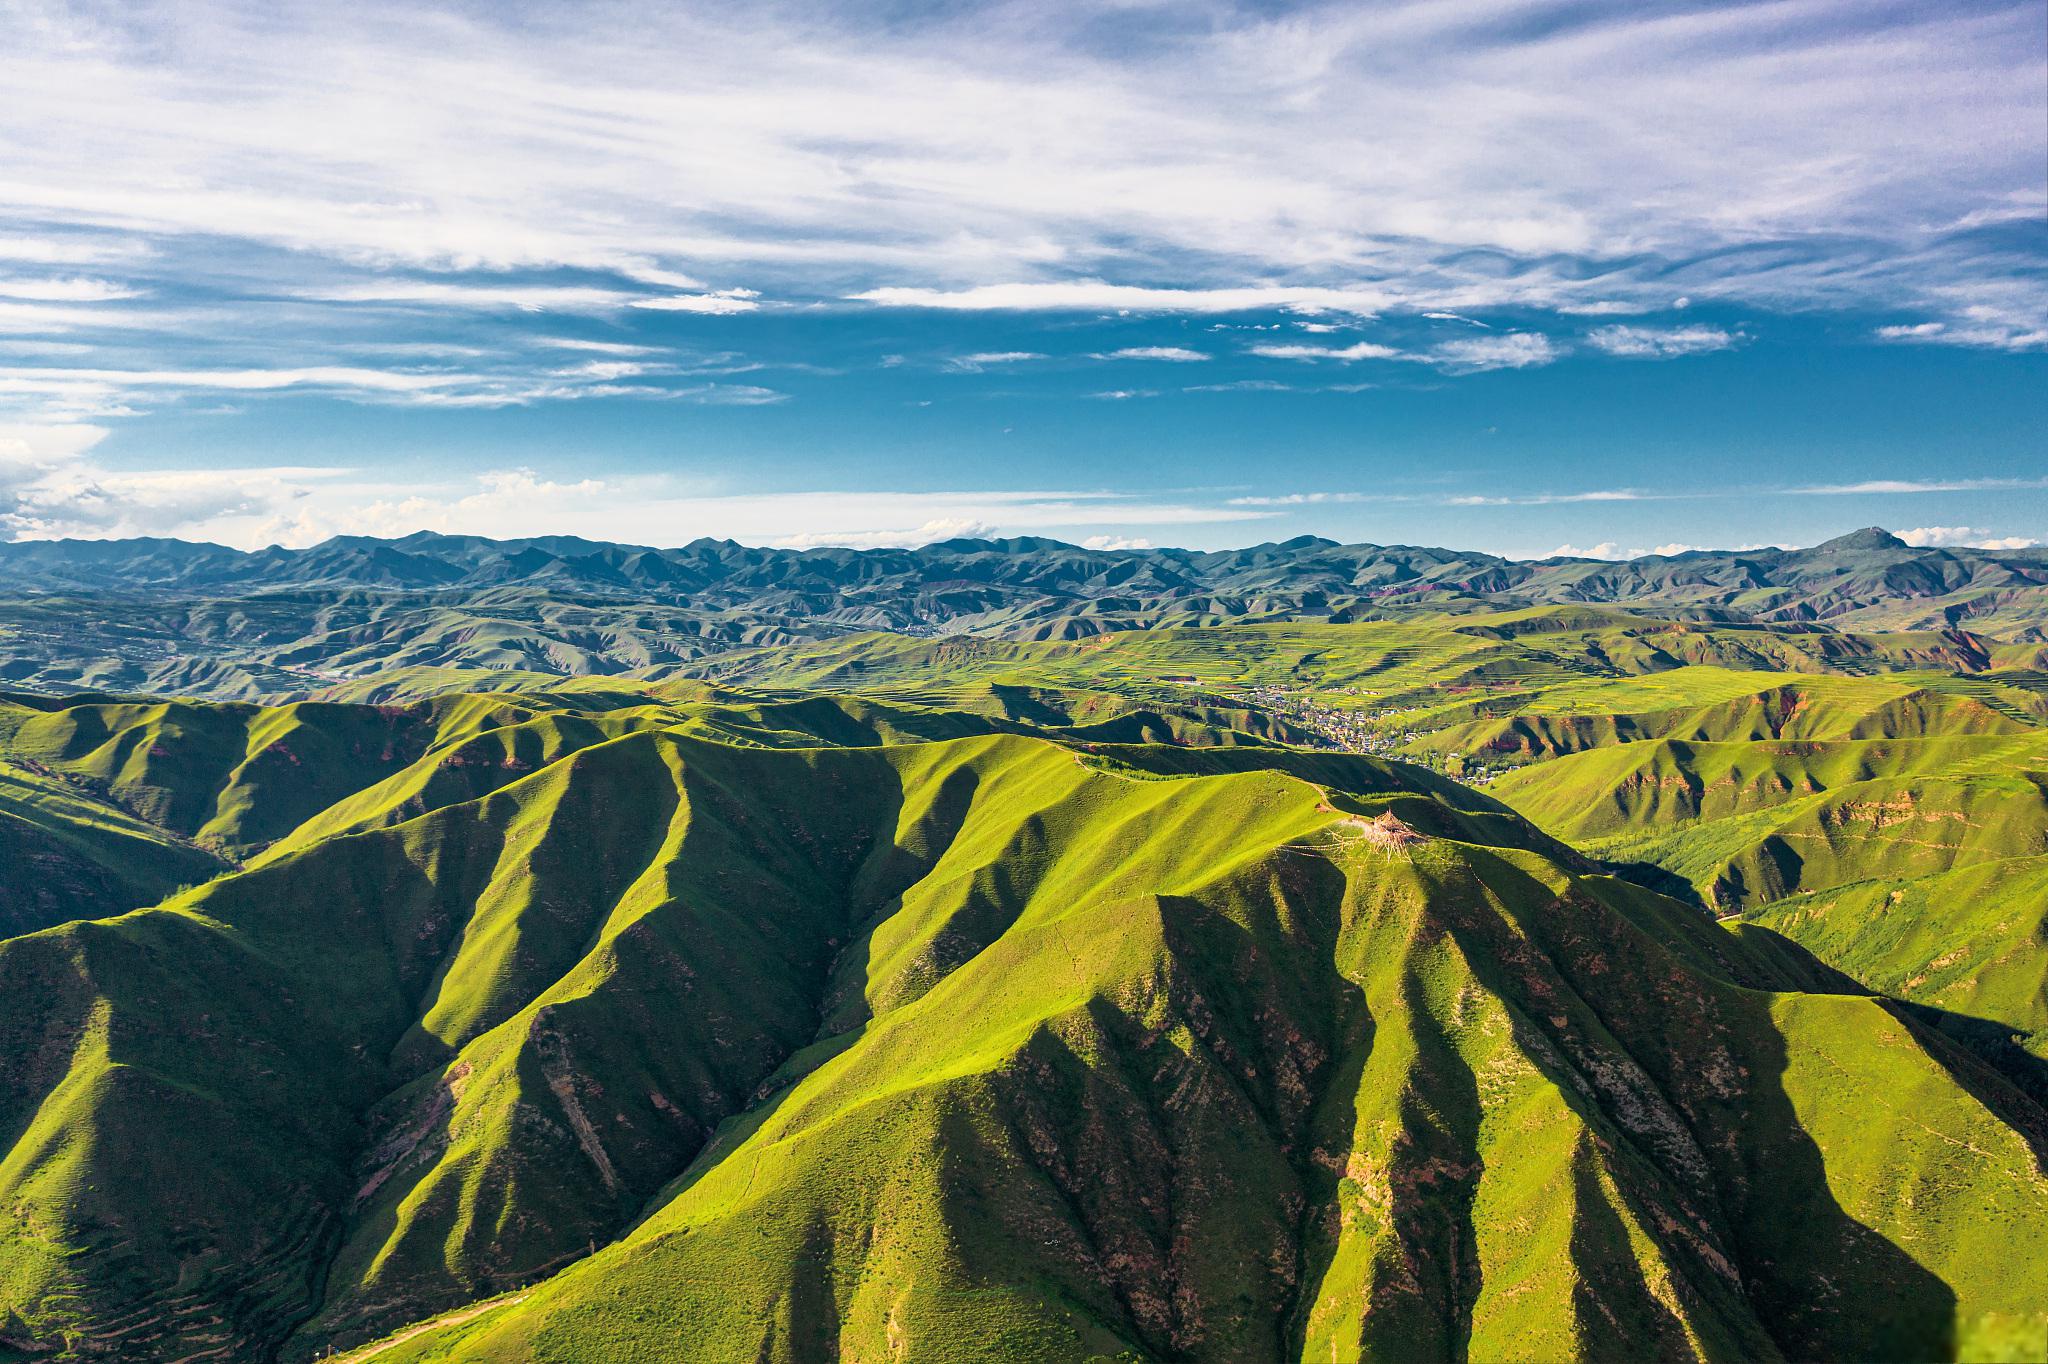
<point x="203" y="619"/>
<point x="1860" y="569"/>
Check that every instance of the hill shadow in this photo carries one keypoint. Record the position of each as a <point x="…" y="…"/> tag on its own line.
<point x="1987" y="1045"/>
<point x="1824" y="1284"/>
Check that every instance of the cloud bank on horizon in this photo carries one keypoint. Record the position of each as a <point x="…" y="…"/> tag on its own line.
<point x="222" y="225"/>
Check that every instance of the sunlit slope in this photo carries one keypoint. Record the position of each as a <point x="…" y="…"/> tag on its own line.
<point x="1000" y="1047"/>
<point x="1332" y="1099"/>
<point x="67" y="854"/>
<point x="1973" y="942"/>
<point x="229" y="776"/>
<point x="1896" y="826"/>
<point x="1511" y="653"/>
<point x="222" y="782"/>
<point x="366" y="964"/>
<point x="1738" y="706"/>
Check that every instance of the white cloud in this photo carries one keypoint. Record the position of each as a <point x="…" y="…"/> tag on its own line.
<point x="1545" y="499"/>
<point x="2009" y="324"/>
<point x="43" y="445"/>
<point x="95" y="391"/>
<point x="1611" y="549"/>
<point x="71" y="250"/>
<point x="931" y="532"/>
<point x="721" y="303"/>
<point x="980" y="360"/>
<point x="1361" y="350"/>
<point x="1654" y="343"/>
<point x="1175" y="354"/>
<point x="1510" y="350"/>
<point x="1121" y="394"/>
<point x="477" y="294"/>
<point x="599" y="347"/>
<point x="1515" y="350"/>
<point x="1000" y="143"/>
<point x="1094" y="295"/>
<point x="75" y="289"/>
<point x="27" y="378"/>
<point x="73" y="497"/>
<point x="268" y="170"/>
<point x="1963" y="537"/>
<point x="1243" y="386"/>
<point x="1116" y="542"/>
<point x="1296" y="499"/>
<point x="1917" y="485"/>
<point x="53" y="488"/>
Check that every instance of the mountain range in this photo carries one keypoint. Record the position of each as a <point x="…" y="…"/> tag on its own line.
<point x="199" y="619"/>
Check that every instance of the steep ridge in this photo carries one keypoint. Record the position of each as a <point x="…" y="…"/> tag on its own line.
<point x="1968" y="942"/>
<point x="1455" y="1100"/>
<point x="1913" y="862"/>
<point x="67" y="854"/>
<point x="124" y="801"/>
<point x="1866" y="709"/>
<point x="987" y="1044"/>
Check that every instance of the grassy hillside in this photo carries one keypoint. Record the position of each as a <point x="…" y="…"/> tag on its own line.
<point x="1894" y="824"/>
<point x="68" y="854"/>
<point x="1969" y="941"/>
<point x="1042" y="999"/>
<point x="981" y="1045"/>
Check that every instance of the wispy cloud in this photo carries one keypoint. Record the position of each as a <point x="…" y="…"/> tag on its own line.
<point x="1508" y="350"/>
<point x="1174" y="354"/>
<point x="185" y="186"/>
<point x="1244" y="386"/>
<point x="1917" y="485"/>
<point x="1513" y="350"/>
<point x="1984" y="327"/>
<point x="72" y="289"/>
<point x="977" y="361"/>
<point x="477" y="294"/>
<point x="931" y="532"/>
<point x="1659" y="343"/>
<point x="1358" y="350"/>
<point x="94" y="391"/>
<point x="720" y="303"/>
<point x="1094" y="295"/>
<point x="1547" y="499"/>
<point x="1295" y="499"/>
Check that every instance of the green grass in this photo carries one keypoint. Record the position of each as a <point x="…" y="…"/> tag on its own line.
<point x="1013" y="999"/>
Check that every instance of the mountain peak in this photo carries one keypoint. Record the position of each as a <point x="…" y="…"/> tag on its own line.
<point x="1870" y="537"/>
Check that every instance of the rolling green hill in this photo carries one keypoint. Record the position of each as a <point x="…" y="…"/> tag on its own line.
<point x="1056" y="999"/>
<point x="67" y="854"/>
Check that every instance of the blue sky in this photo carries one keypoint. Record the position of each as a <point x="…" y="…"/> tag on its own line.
<point x="1520" y="277"/>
